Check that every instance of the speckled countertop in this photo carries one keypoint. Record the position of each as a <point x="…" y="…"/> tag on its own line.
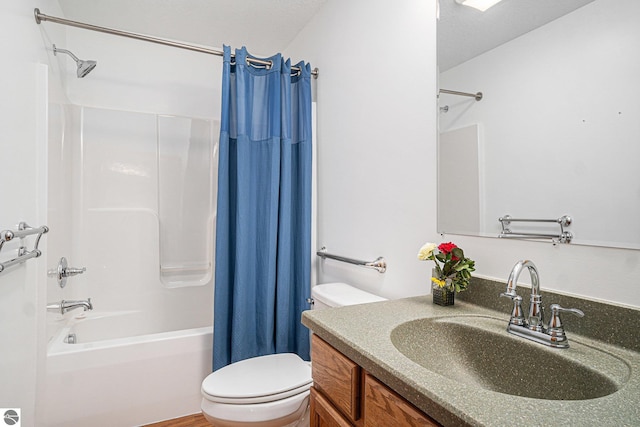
<point x="363" y="333"/>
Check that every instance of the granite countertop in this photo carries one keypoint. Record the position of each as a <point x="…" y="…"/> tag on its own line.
<point x="363" y="333"/>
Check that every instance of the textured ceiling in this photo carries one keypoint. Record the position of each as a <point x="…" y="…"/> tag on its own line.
<point x="464" y="33"/>
<point x="264" y="26"/>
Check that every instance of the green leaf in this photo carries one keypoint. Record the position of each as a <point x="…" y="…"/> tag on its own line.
<point x="458" y="253"/>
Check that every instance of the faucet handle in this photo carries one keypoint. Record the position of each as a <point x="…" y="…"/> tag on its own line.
<point x="63" y="271"/>
<point x="555" y="329"/>
<point x="517" y="317"/>
<point x="556" y="310"/>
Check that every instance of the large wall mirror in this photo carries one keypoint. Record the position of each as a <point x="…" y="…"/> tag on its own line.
<point x="557" y="131"/>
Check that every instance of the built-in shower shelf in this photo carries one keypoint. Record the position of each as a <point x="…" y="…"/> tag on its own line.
<point x="23" y="231"/>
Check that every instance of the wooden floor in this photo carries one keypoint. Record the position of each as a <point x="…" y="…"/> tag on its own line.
<point x="195" y="420"/>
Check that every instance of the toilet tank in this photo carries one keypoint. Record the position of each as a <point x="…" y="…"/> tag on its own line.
<point x="339" y="295"/>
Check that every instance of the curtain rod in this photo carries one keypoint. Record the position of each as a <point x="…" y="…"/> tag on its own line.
<point x="42" y="17"/>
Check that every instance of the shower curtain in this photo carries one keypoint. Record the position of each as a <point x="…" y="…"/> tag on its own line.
<point x="263" y="228"/>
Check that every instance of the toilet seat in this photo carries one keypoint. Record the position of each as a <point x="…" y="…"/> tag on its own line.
<point x="258" y="380"/>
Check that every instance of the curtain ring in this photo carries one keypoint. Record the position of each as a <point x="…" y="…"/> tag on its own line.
<point x="266" y="66"/>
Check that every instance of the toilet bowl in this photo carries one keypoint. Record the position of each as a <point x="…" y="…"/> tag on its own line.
<point x="272" y="390"/>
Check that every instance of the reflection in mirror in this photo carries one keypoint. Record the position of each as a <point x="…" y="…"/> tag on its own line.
<point x="557" y="131"/>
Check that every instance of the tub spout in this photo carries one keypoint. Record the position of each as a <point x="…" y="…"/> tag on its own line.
<point x="64" y="306"/>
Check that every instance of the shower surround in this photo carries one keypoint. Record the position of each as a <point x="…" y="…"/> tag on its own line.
<point x="132" y="199"/>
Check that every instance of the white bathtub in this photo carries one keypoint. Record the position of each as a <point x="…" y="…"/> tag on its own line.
<point x="122" y="372"/>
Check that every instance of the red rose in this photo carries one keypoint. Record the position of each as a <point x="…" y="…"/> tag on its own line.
<point x="446" y="248"/>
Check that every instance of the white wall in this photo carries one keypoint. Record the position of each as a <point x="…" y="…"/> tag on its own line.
<point x="376" y="137"/>
<point x="27" y="82"/>
<point x="133" y="75"/>
<point x="598" y="120"/>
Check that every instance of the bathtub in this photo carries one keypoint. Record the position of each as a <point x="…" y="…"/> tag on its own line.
<point x="123" y="372"/>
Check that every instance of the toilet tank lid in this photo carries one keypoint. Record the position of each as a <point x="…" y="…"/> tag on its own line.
<point x="341" y="294"/>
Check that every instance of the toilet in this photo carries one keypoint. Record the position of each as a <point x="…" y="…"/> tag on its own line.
<point x="272" y="390"/>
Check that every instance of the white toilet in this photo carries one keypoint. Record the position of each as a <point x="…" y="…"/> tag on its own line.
<point x="273" y="390"/>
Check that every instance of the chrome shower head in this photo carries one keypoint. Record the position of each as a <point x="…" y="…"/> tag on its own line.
<point x="84" y="67"/>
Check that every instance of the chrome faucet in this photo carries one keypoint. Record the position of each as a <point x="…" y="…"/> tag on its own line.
<point x="533" y="326"/>
<point x="64" y="306"/>
<point x="536" y="311"/>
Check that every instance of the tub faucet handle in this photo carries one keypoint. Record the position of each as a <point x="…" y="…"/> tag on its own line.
<point x="72" y="271"/>
<point x="63" y="271"/>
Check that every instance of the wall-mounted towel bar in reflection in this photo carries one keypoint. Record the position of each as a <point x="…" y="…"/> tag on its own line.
<point x="563" y="237"/>
<point x="23" y="231"/>
<point x="477" y="96"/>
<point x="379" y="264"/>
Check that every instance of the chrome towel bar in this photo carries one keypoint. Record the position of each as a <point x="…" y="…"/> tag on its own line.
<point x="562" y="237"/>
<point x="379" y="264"/>
<point x="23" y="230"/>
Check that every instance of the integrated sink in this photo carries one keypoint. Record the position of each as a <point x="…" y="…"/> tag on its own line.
<point x="477" y="351"/>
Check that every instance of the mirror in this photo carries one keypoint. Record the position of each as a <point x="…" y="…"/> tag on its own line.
<point x="557" y="131"/>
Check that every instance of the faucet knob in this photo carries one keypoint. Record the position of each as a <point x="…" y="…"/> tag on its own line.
<point x="63" y="271"/>
<point x="555" y="328"/>
<point x="555" y="321"/>
<point x="72" y="271"/>
<point x="517" y="316"/>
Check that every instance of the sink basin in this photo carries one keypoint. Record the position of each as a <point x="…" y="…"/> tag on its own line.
<point x="477" y="351"/>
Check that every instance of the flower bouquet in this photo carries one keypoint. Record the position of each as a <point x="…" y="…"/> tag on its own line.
<point x="452" y="271"/>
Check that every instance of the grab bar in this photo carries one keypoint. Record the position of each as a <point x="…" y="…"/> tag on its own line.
<point x="562" y="237"/>
<point x="477" y="96"/>
<point x="23" y="230"/>
<point x="379" y="264"/>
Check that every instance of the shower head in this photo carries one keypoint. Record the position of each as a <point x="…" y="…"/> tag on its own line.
<point x="84" y="67"/>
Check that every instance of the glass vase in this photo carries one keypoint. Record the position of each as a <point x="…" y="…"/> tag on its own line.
<point x="442" y="296"/>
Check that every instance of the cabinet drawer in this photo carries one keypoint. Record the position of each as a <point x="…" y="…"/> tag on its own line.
<point x="383" y="407"/>
<point x="337" y="377"/>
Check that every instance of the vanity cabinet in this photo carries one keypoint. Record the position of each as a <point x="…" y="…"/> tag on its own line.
<point x="344" y="395"/>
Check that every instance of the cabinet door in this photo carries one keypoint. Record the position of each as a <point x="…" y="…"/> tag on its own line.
<point x="383" y="407"/>
<point x="323" y="414"/>
<point x="337" y="377"/>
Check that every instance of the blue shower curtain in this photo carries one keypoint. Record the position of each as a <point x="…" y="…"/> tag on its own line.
<point x="263" y="228"/>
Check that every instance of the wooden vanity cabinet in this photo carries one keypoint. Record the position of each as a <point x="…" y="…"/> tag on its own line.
<point x="344" y="395"/>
